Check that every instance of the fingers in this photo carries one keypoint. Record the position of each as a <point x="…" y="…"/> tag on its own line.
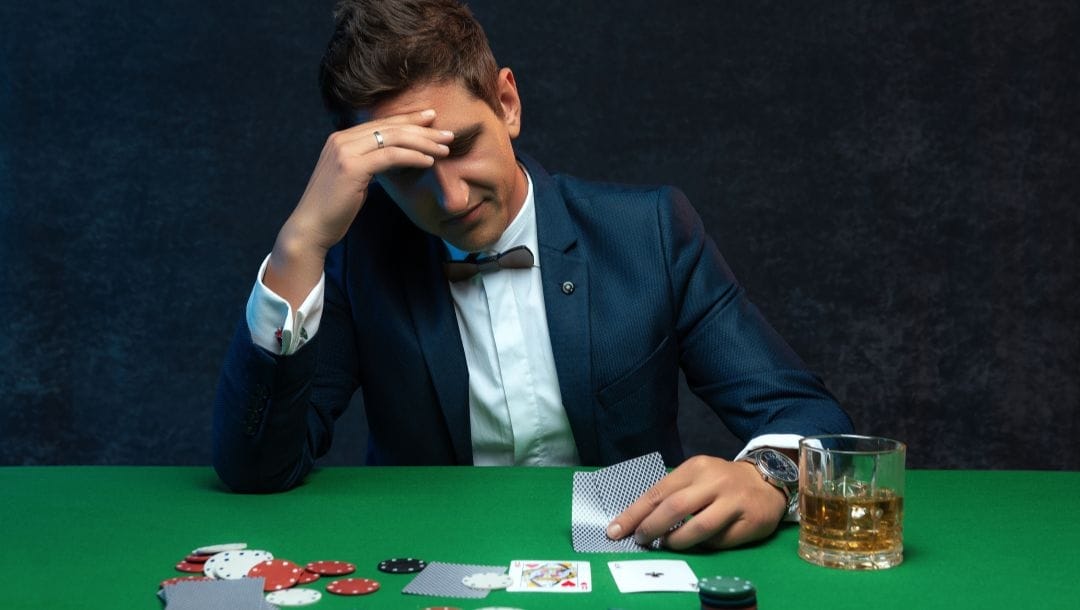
<point x="654" y="512"/>
<point x="728" y="504"/>
<point x="403" y="141"/>
<point x="707" y="514"/>
<point x="411" y="130"/>
<point x="417" y="137"/>
<point x="719" y="519"/>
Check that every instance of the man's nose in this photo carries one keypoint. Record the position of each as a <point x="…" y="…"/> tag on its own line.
<point x="453" y="192"/>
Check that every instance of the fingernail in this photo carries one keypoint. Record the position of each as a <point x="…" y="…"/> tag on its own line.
<point x="641" y="539"/>
<point x="447" y="133"/>
<point x="427" y="114"/>
<point x="614" y="531"/>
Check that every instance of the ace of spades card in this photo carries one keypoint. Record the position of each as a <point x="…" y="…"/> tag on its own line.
<point x="653" y="575"/>
<point x="547" y="576"/>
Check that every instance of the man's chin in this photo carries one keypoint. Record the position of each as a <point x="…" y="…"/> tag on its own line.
<point x="478" y="238"/>
<point x="471" y="246"/>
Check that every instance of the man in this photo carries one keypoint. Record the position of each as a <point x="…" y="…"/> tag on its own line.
<point x="562" y="352"/>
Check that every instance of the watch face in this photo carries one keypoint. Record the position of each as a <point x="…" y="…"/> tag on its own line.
<point x="780" y="466"/>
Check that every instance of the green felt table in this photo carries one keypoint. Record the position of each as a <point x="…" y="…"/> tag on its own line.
<point x="104" y="537"/>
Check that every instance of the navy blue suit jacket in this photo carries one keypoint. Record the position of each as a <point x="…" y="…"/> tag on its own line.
<point x="651" y="293"/>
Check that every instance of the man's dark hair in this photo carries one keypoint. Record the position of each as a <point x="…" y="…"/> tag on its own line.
<point x="382" y="47"/>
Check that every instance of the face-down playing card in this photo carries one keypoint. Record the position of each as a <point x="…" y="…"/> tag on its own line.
<point x="241" y="594"/>
<point x="599" y="497"/>
<point x="445" y="580"/>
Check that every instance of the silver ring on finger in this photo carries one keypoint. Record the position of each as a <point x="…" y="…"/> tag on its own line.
<point x="379" y="139"/>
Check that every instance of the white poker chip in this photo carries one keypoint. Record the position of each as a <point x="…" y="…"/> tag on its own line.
<point x="487" y="580"/>
<point x="233" y="565"/>
<point x="294" y="597"/>
<point x="219" y="548"/>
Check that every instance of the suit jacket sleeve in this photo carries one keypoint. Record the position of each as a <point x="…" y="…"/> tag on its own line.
<point x="733" y="359"/>
<point x="273" y="415"/>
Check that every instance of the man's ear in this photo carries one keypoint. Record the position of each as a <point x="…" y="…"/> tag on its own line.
<point x="510" y="102"/>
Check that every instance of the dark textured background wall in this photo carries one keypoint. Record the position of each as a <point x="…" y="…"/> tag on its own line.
<point x="890" y="180"/>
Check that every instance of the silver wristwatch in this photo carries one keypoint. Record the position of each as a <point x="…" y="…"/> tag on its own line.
<point x="777" y="469"/>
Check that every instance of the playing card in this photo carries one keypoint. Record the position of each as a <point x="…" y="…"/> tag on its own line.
<point x="549" y="576"/>
<point x="444" y="580"/>
<point x="242" y="594"/>
<point x="619" y="485"/>
<point x="653" y="575"/>
<point x="600" y="496"/>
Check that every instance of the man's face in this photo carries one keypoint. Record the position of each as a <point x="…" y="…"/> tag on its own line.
<point x="469" y="197"/>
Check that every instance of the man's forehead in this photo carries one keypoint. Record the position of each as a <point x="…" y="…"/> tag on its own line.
<point x="445" y="97"/>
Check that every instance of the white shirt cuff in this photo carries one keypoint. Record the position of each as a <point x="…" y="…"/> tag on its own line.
<point x="777" y="441"/>
<point x="274" y="326"/>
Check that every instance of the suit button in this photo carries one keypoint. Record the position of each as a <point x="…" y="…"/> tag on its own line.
<point x="568" y="288"/>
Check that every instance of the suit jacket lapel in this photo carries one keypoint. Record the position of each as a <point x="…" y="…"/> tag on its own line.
<point x="565" y="276"/>
<point x="433" y="315"/>
<point x="437" y="331"/>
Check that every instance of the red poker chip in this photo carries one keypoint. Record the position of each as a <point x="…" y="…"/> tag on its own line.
<point x="187" y="566"/>
<point x="172" y="581"/>
<point x="196" y="558"/>
<point x="331" y="568"/>
<point x="278" y="574"/>
<point x="307" y="577"/>
<point x="353" y="586"/>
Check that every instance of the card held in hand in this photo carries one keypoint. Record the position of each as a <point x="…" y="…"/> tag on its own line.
<point x="599" y="497"/>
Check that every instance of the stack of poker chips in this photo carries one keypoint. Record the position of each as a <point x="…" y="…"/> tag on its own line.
<point x="727" y="593"/>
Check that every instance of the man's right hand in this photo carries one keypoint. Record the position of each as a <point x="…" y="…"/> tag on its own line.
<point x="337" y="189"/>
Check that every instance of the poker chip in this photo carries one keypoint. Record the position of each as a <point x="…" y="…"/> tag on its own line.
<point x="232" y="565"/>
<point x="278" y="574"/>
<point x="214" y="549"/>
<point x="442" y="608"/>
<point x="353" y="586"/>
<point x="294" y="597"/>
<point x="196" y="558"/>
<point x="402" y="565"/>
<point x="725" y="586"/>
<point x="187" y="566"/>
<point x="725" y="591"/>
<point x="307" y="577"/>
<point x="172" y="581"/>
<point x="487" y="580"/>
<point x="331" y="568"/>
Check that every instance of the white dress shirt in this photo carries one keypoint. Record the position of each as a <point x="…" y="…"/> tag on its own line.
<point x="515" y="406"/>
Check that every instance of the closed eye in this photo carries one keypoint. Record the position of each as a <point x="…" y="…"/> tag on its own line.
<point x="464" y="140"/>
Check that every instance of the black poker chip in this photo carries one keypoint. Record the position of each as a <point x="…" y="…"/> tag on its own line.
<point x="403" y="565"/>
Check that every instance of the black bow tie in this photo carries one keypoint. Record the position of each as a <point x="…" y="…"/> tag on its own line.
<point x="519" y="257"/>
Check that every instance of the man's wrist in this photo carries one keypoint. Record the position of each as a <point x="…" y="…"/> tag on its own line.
<point x="294" y="267"/>
<point x="778" y="470"/>
<point x="773" y="501"/>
